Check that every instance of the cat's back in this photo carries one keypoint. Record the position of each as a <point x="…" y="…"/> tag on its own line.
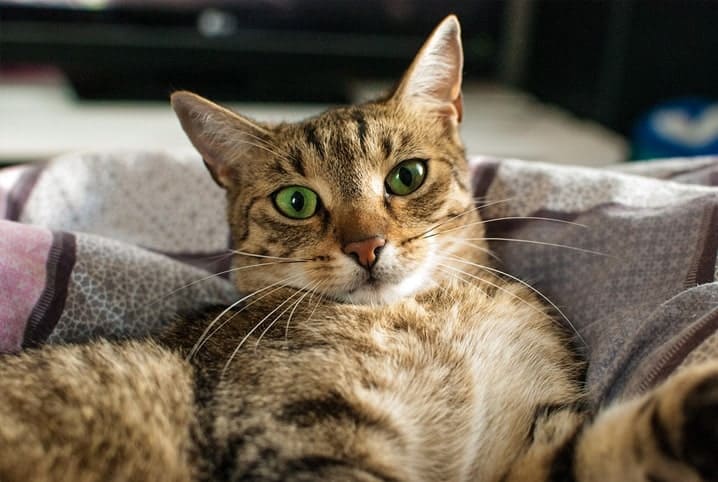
<point x="96" y="412"/>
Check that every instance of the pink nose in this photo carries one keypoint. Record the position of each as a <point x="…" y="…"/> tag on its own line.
<point x="366" y="251"/>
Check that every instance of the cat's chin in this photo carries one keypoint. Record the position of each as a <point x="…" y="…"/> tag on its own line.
<point x="372" y="294"/>
<point x="377" y="292"/>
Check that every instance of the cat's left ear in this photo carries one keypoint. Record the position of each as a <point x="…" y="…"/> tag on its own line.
<point x="433" y="82"/>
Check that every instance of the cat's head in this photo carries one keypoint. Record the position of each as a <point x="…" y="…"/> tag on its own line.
<point x="349" y="202"/>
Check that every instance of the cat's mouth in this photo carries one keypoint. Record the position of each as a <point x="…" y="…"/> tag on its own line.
<point x="377" y="289"/>
<point x="371" y="291"/>
<point x="371" y="282"/>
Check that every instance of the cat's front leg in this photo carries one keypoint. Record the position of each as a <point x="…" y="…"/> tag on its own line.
<point x="669" y="434"/>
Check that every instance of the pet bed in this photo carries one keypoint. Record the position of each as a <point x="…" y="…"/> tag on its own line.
<point x="115" y="244"/>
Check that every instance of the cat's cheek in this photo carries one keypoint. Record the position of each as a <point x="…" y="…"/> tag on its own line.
<point x="405" y="273"/>
<point x="420" y="278"/>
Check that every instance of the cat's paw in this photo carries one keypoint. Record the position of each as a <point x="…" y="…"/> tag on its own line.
<point x="699" y="432"/>
<point x="685" y="422"/>
<point x="670" y="434"/>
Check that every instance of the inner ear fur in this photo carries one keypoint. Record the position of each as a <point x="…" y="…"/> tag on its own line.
<point x="433" y="81"/>
<point x="218" y="134"/>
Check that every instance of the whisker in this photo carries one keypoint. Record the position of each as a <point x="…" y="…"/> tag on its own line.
<point x="464" y="213"/>
<point x="313" y="290"/>
<point x="544" y="243"/>
<point x="486" y="221"/>
<point x="483" y="280"/>
<point x="498" y="287"/>
<point x="231" y="270"/>
<point x="498" y="201"/>
<point x="248" y="305"/>
<point x="254" y="328"/>
<point x="203" y="337"/>
<point x="255" y="255"/>
<point x="457" y="277"/>
<point x="266" y="145"/>
<point x="536" y="218"/>
<point x="487" y="251"/>
<point x="319" y="302"/>
<point x="291" y="306"/>
<point x="226" y="253"/>
<point x="523" y="283"/>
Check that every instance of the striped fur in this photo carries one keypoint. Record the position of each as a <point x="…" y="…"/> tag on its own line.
<point x="426" y="369"/>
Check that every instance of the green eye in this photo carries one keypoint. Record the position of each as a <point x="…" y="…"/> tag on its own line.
<point x="406" y="177"/>
<point x="296" y="202"/>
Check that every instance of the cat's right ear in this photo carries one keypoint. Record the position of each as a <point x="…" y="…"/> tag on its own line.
<point x="219" y="134"/>
<point x="433" y="81"/>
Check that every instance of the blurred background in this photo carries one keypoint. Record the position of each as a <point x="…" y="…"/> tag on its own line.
<point x="572" y="81"/>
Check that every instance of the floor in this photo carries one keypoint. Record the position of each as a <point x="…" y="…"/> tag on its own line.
<point x="41" y="118"/>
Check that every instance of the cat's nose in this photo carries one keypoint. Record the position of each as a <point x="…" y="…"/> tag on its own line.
<point x="366" y="251"/>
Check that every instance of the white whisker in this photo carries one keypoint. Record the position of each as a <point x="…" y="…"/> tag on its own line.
<point x="535" y="218"/>
<point x="256" y="300"/>
<point x="254" y="328"/>
<point x="231" y="270"/>
<point x="291" y="306"/>
<point x="265" y="147"/>
<point x="498" y="287"/>
<point x="486" y="221"/>
<point x="476" y="246"/>
<point x="543" y="243"/>
<point x="523" y="283"/>
<point x="203" y="337"/>
<point x="463" y="213"/>
<point x="458" y="278"/>
<point x="255" y="255"/>
<point x="313" y="290"/>
<point x="493" y="203"/>
<point x="319" y="302"/>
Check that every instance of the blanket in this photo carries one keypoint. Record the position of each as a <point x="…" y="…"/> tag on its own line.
<point x="116" y="244"/>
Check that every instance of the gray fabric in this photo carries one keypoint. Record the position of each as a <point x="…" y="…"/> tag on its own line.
<point x="641" y="307"/>
<point x="658" y="240"/>
<point x="664" y="339"/>
<point x="118" y="290"/>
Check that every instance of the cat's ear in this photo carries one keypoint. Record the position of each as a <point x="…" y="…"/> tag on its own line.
<point x="433" y="81"/>
<point x="219" y="134"/>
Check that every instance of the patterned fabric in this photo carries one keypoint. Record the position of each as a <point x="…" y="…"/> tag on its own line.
<point x="115" y="245"/>
<point x="107" y="245"/>
<point x="642" y="279"/>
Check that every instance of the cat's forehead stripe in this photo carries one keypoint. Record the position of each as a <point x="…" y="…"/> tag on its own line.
<point x="313" y="139"/>
<point x="297" y="160"/>
<point x="277" y="166"/>
<point x="387" y="146"/>
<point x="360" y="120"/>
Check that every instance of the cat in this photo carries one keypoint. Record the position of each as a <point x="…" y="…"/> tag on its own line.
<point x="375" y="343"/>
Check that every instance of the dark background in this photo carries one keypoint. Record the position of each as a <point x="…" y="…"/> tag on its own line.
<point x="608" y="60"/>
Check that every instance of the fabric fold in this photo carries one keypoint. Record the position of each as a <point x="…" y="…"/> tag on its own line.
<point x="116" y="244"/>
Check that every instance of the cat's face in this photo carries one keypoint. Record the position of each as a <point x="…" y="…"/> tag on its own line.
<point x="353" y="203"/>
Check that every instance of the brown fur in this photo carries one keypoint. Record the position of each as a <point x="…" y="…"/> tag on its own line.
<point x="337" y="372"/>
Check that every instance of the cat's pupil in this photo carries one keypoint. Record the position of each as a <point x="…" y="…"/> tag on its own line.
<point x="405" y="176"/>
<point x="297" y="201"/>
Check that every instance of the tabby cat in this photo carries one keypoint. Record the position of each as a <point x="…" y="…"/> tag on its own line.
<point x="376" y="343"/>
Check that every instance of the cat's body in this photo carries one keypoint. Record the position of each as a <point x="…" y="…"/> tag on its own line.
<point x="394" y="392"/>
<point x="376" y="342"/>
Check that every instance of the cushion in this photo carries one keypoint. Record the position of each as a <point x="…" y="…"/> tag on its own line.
<point x="115" y="244"/>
